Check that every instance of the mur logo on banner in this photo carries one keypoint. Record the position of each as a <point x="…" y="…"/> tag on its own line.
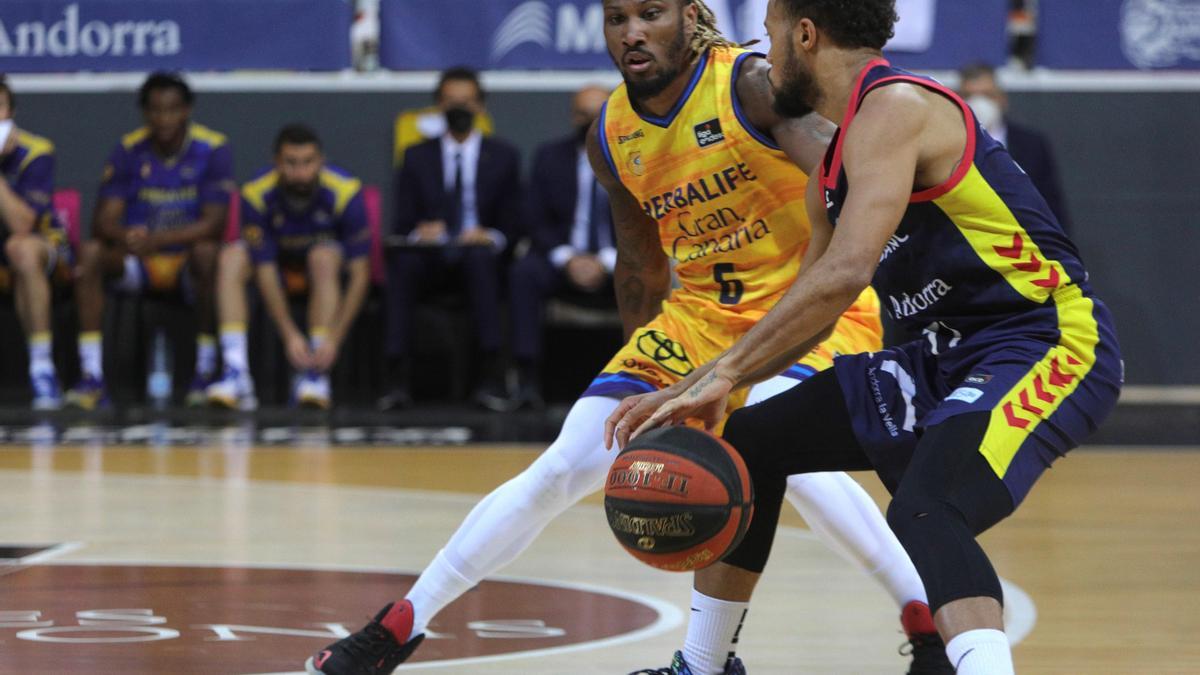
<point x="567" y="29"/>
<point x="1160" y="33"/>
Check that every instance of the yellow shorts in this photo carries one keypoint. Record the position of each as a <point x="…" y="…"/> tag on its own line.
<point x="163" y="272"/>
<point x="670" y="347"/>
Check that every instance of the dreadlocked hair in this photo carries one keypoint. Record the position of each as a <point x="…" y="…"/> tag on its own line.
<point x="707" y="34"/>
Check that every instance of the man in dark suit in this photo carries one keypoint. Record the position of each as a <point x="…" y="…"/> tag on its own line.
<point x="458" y="201"/>
<point x="1029" y="147"/>
<point x="573" y="253"/>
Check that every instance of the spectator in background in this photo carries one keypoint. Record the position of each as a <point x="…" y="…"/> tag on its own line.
<point x="573" y="251"/>
<point x="1029" y="147"/>
<point x="159" y="219"/>
<point x="303" y="224"/>
<point x="35" y="245"/>
<point x="458" y="199"/>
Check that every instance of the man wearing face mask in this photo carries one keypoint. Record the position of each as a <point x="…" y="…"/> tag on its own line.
<point x="573" y="253"/>
<point x="1029" y="148"/>
<point x="458" y="199"/>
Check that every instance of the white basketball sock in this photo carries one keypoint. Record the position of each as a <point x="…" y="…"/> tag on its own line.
<point x="712" y="633"/>
<point x="981" y="652"/>
<point x="233" y="346"/>
<point x="847" y="520"/>
<point x="439" y="585"/>
<point x="503" y="525"/>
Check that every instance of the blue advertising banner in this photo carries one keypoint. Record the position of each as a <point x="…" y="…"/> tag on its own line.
<point x="1119" y="34"/>
<point x="138" y="35"/>
<point x="569" y="34"/>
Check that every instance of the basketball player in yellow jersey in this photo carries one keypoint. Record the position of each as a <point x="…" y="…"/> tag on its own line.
<point x="693" y="158"/>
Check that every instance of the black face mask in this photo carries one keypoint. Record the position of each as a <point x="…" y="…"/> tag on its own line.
<point x="460" y="120"/>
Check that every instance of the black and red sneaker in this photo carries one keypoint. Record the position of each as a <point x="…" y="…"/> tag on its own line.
<point x="924" y="644"/>
<point x="377" y="649"/>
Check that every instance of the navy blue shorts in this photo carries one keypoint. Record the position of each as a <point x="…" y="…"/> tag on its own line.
<point x="1046" y="391"/>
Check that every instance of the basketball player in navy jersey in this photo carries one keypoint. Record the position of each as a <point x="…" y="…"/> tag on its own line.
<point x="1018" y="364"/>
<point x="681" y="77"/>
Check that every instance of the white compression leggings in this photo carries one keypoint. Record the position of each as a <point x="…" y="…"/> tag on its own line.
<point x="507" y="521"/>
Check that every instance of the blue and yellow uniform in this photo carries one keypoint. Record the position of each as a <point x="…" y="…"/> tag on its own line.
<point x="29" y="171"/>
<point x="275" y="232"/>
<point x="1012" y="327"/>
<point x="730" y="211"/>
<point x="167" y="193"/>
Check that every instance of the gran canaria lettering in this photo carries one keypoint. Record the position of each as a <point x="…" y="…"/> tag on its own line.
<point x="721" y="231"/>
<point x="699" y="191"/>
<point x="678" y="525"/>
<point x="908" y="305"/>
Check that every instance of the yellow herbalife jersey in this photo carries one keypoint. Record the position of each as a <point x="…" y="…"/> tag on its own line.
<point x="730" y="211"/>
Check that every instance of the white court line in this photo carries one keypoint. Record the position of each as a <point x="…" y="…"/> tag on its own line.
<point x="669" y="616"/>
<point x="1020" y="609"/>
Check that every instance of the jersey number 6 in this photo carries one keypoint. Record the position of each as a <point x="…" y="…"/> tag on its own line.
<point x="731" y="289"/>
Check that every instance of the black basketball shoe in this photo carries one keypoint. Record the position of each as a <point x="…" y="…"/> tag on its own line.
<point x="924" y="644"/>
<point x="374" y="650"/>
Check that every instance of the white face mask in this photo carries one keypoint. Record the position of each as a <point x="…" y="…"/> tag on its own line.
<point x="986" y="111"/>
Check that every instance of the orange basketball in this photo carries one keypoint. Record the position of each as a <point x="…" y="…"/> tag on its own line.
<point x="678" y="498"/>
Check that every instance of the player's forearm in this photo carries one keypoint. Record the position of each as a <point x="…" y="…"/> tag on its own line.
<point x="15" y="214"/>
<point x="795" y="325"/>
<point x="356" y="295"/>
<point x="640" y="292"/>
<point x="785" y="360"/>
<point x="275" y="300"/>
<point x="188" y="234"/>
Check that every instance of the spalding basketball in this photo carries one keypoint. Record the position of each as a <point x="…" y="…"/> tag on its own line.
<point x="678" y="498"/>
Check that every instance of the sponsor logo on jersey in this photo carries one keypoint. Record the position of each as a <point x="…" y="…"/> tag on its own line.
<point x="709" y="133"/>
<point x="894" y="245"/>
<point x="622" y="140"/>
<point x="636" y="167"/>
<point x="910" y="305"/>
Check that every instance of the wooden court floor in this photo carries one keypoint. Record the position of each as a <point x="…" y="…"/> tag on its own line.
<point x="1102" y="564"/>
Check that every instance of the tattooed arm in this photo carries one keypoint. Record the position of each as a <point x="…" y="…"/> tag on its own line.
<point x="642" y="277"/>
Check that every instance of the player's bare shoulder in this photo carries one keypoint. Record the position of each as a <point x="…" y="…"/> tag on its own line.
<point x="598" y="158"/>
<point x="804" y="139"/>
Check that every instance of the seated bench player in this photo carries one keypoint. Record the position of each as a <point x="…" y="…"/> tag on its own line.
<point x="161" y="211"/>
<point x="304" y="223"/>
<point x="35" y="249"/>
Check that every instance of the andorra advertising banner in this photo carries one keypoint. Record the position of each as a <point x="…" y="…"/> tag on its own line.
<point x="569" y="34"/>
<point x="196" y="35"/>
<point x="1119" y="34"/>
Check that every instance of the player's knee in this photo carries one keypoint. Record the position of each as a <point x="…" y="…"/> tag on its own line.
<point x="25" y="254"/>
<point x="548" y="483"/>
<point x="90" y="255"/>
<point x="204" y="257"/>
<point x="913" y="512"/>
<point x="233" y="258"/>
<point x="324" y="262"/>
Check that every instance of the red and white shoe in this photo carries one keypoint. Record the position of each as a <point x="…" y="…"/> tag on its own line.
<point x="377" y="649"/>
<point x="924" y="644"/>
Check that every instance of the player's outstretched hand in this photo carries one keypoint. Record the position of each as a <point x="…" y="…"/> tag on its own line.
<point x="706" y="400"/>
<point x="631" y="413"/>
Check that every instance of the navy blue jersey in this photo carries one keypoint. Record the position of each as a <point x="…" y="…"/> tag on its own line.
<point x="975" y="251"/>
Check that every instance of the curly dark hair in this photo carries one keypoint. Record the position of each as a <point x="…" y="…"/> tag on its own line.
<point x="852" y="24"/>
<point x="162" y="80"/>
